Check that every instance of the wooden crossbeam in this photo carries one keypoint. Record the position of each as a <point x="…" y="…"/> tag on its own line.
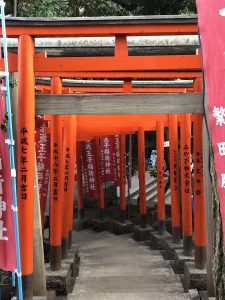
<point x="164" y="63"/>
<point x="102" y="26"/>
<point x="133" y="74"/>
<point x="116" y="104"/>
<point x="125" y="63"/>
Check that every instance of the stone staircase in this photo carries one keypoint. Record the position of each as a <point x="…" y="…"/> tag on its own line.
<point x="151" y="191"/>
<point x="118" y="268"/>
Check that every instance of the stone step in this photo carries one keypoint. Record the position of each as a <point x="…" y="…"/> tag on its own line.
<point x="149" y="186"/>
<point x="131" y="261"/>
<point x="133" y="284"/>
<point x="118" y="248"/>
<point x="154" y="263"/>
<point x="93" y="235"/>
<point x="123" y="270"/>
<point x="104" y="242"/>
<point x="118" y="259"/>
<point x="129" y="296"/>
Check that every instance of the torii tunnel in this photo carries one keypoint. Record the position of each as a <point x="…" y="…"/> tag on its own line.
<point x="76" y="113"/>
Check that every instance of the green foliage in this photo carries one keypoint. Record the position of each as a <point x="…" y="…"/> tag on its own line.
<point x="43" y="8"/>
<point x="69" y="8"/>
<point x="80" y="8"/>
<point x="164" y="7"/>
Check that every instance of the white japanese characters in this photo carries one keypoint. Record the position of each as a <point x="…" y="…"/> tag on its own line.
<point x="2" y="230"/>
<point x="219" y="114"/>
<point x="89" y="168"/>
<point x="3" y="207"/>
<point x="221" y="147"/>
<point x="222" y="181"/>
<point x="222" y="12"/>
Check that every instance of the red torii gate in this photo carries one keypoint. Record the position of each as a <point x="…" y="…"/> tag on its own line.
<point x="121" y="65"/>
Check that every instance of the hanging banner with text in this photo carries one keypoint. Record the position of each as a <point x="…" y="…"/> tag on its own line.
<point x="7" y="237"/>
<point x="107" y="158"/>
<point x="89" y="168"/>
<point x="116" y="159"/>
<point x="42" y="145"/>
<point x="211" y="18"/>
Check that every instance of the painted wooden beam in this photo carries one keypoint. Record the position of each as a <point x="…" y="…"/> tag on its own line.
<point x="103" y="104"/>
<point x="102" y="26"/>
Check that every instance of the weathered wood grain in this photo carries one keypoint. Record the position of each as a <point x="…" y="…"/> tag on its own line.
<point x="115" y="104"/>
<point x="170" y="19"/>
<point x="208" y="194"/>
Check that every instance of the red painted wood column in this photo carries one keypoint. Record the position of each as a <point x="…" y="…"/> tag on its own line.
<point x="68" y="179"/>
<point x="174" y="178"/>
<point x="56" y="183"/>
<point x="99" y="179"/>
<point x="199" y="207"/>
<point x="185" y="150"/>
<point x="123" y="205"/>
<point x="141" y="175"/>
<point x="26" y="146"/>
<point x="80" y="200"/>
<point x="71" y="178"/>
<point x="160" y="176"/>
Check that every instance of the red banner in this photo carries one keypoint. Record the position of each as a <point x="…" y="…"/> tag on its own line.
<point x="116" y="159"/>
<point x="211" y="16"/>
<point x="89" y="167"/>
<point x="42" y="146"/>
<point x="107" y="158"/>
<point x="7" y="237"/>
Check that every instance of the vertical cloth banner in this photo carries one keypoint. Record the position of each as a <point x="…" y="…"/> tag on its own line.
<point x="42" y="145"/>
<point x="89" y="168"/>
<point x="7" y="237"/>
<point x="211" y="18"/>
<point x="107" y="158"/>
<point x="116" y="159"/>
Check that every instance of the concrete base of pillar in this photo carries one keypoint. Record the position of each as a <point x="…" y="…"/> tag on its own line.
<point x="194" y="294"/>
<point x="204" y="296"/>
<point x="170" y="249"/>
<point x="120" y="228"/>
<point x="71" y="260"/>
<point x="81" y="224"/>
<point x="180" y="259"/>
<point x="34" y="298"/>
<point x="60" y="281"/>
<point x="50" y="296"/>
<point x="194" y="278"/>
<point x="142" y="233"/>
<point x="159" y="241"/>
<point x="74" y="250"/>
<point x="101" y="225"/>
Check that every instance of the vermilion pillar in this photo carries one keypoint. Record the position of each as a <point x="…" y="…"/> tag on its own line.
<point x="141" y="175"/>
<point x="185" y="150"/>
<point x="174" y="178"/>
<point x="26" y="127"/>
<point x="56" y="183"/>
<point x="99" y="178"/>
<point x="80" y="199"/>
<point x="199" y="207"/>
<point x="160" y="176"/>
<point x="122" y="177"/>
<point x="68" y="179"/>
<point x="71" y="178"/>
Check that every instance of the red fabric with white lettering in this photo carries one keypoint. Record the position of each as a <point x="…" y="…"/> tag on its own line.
<point x="42" y="145"/>
<point x="89" y="168"/>
<point x="116" y="159"/>
<point x="7" y="237"/>
<point x="211" y="18"/>
<point x="107" y="158"/>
